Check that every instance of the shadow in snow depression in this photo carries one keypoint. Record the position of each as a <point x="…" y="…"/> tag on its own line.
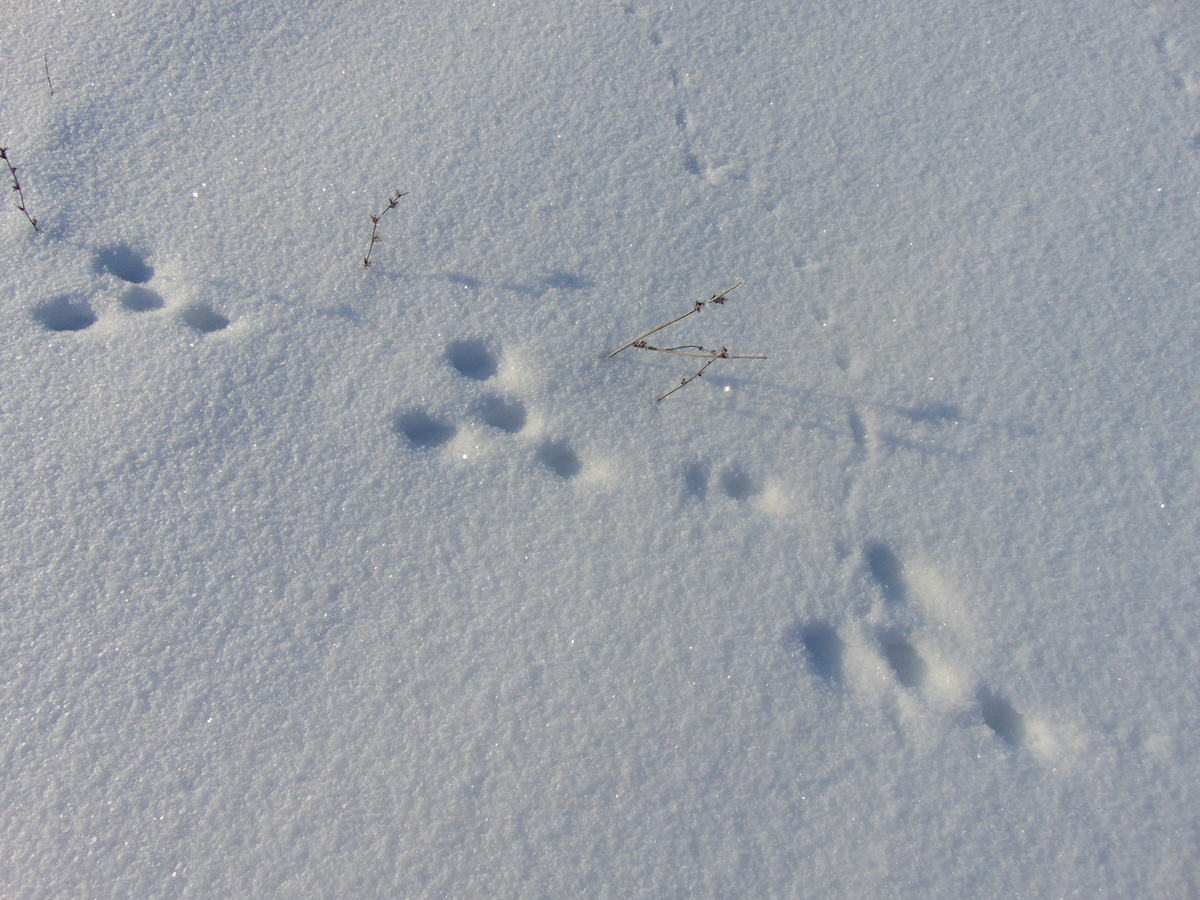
<point x="473" y="359"/>
<point x="63" y="314"/>
<point x="422" y="430"/>
<point x="125" y="263"/>
<point x="820" y="643"/>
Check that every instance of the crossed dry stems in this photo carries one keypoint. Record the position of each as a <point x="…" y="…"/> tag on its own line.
<point x="692" y="350"/>
<point x="395" y="198"/>
<point x="16" y="186"/>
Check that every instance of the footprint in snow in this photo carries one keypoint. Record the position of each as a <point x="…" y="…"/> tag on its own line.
<point x="819" y="643"/>
<point x="734" y="481"/>
<point x="65" y="314"/>
<point x="124" y="262"/>
<point x="62" y="314"/>
<point x="477" y="360"/>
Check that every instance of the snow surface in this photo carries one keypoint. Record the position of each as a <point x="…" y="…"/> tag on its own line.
<point x="319" y="581"/>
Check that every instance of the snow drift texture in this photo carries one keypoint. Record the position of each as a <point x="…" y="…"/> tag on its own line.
<point x="318" y="581"/>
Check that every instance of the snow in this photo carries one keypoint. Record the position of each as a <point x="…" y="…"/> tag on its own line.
<point x="324" y="581"/>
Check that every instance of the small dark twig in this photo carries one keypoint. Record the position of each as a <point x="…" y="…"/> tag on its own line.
<point x="704" y="353"/>
<point x="724" y="354"/>
<point x="395" y="198"/>
<point x="46" y="62"/>
<point x="16" y="186"/>
<point x="719" y="299"/>
<point x="712" y="355"/>
<point x="693" y="350"/>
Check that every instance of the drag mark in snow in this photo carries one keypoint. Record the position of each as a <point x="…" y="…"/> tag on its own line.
<point x="937" y="414"/>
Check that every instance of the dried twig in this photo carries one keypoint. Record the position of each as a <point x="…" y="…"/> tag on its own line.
<point x="692" y="350"/>
<point x="716" y="298"/>
<point x="395" y="198"/>
<point x="46" y="63"/>
<point x="16" y="186"/>
<point x="712" y="355"/>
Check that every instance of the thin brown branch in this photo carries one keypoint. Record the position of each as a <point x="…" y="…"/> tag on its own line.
<point x="719" y="299"/>
<point x="694" y="351"/>
<point x="704" y="353"/>
<point x="686" y="381"/>
<point x="16" y="186"/>
<point x="392" y="201"/>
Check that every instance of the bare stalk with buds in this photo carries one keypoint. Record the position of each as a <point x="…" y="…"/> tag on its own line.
<point x="692" y="350"/>
<point x="16" y="186"/>
<point x="392" y="202"/>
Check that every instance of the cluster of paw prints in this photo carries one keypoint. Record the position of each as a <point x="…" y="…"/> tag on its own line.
<point x="734" y="482"/>
<point x="473" y="360"/>
<point x="825" y="650"/>
<point x="72" y="314"/>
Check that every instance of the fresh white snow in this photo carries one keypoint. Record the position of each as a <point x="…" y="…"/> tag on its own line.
<point x="324" y="581"/>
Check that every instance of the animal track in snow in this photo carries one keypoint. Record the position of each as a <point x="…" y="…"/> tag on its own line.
<point x="476" y="360"/>
<point x="204" y="318"/>
<point x="716" y="175"/>
<point x="560" y="458"/>
<point x="885" y="568"/>
<point x="125" y="263"/>
<point x="904" y="659"/>
<point x="857" y="429"/>
<point x="1000" y="716"/>
<point x="821" y="645"/>
<point x="63" y="314"/>
<point x="695" y="480"/>
<point x="887" y="572"/>
<point x="734" y="481"/>
<point x="737" y="484"/>
<point x="140" y="299"/>
<point x="422" y="430"/>
<point x="473" y="359"/>
<point x="906" y="662"/>
<point x="836" y="660"/>
<point x="67" y="314"/>
<point x="507" y="415"/>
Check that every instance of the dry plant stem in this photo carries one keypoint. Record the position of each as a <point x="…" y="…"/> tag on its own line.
<point x="712" y="355"/>
<point x="16" y="186"/>
<point x="395" y="198"/>
<point x="716" y="298"/>
<point x="686" y="381"/>
<point x="703" y="354"/>
<point x="46" y="62"/>
<point x="692" y="350"/>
